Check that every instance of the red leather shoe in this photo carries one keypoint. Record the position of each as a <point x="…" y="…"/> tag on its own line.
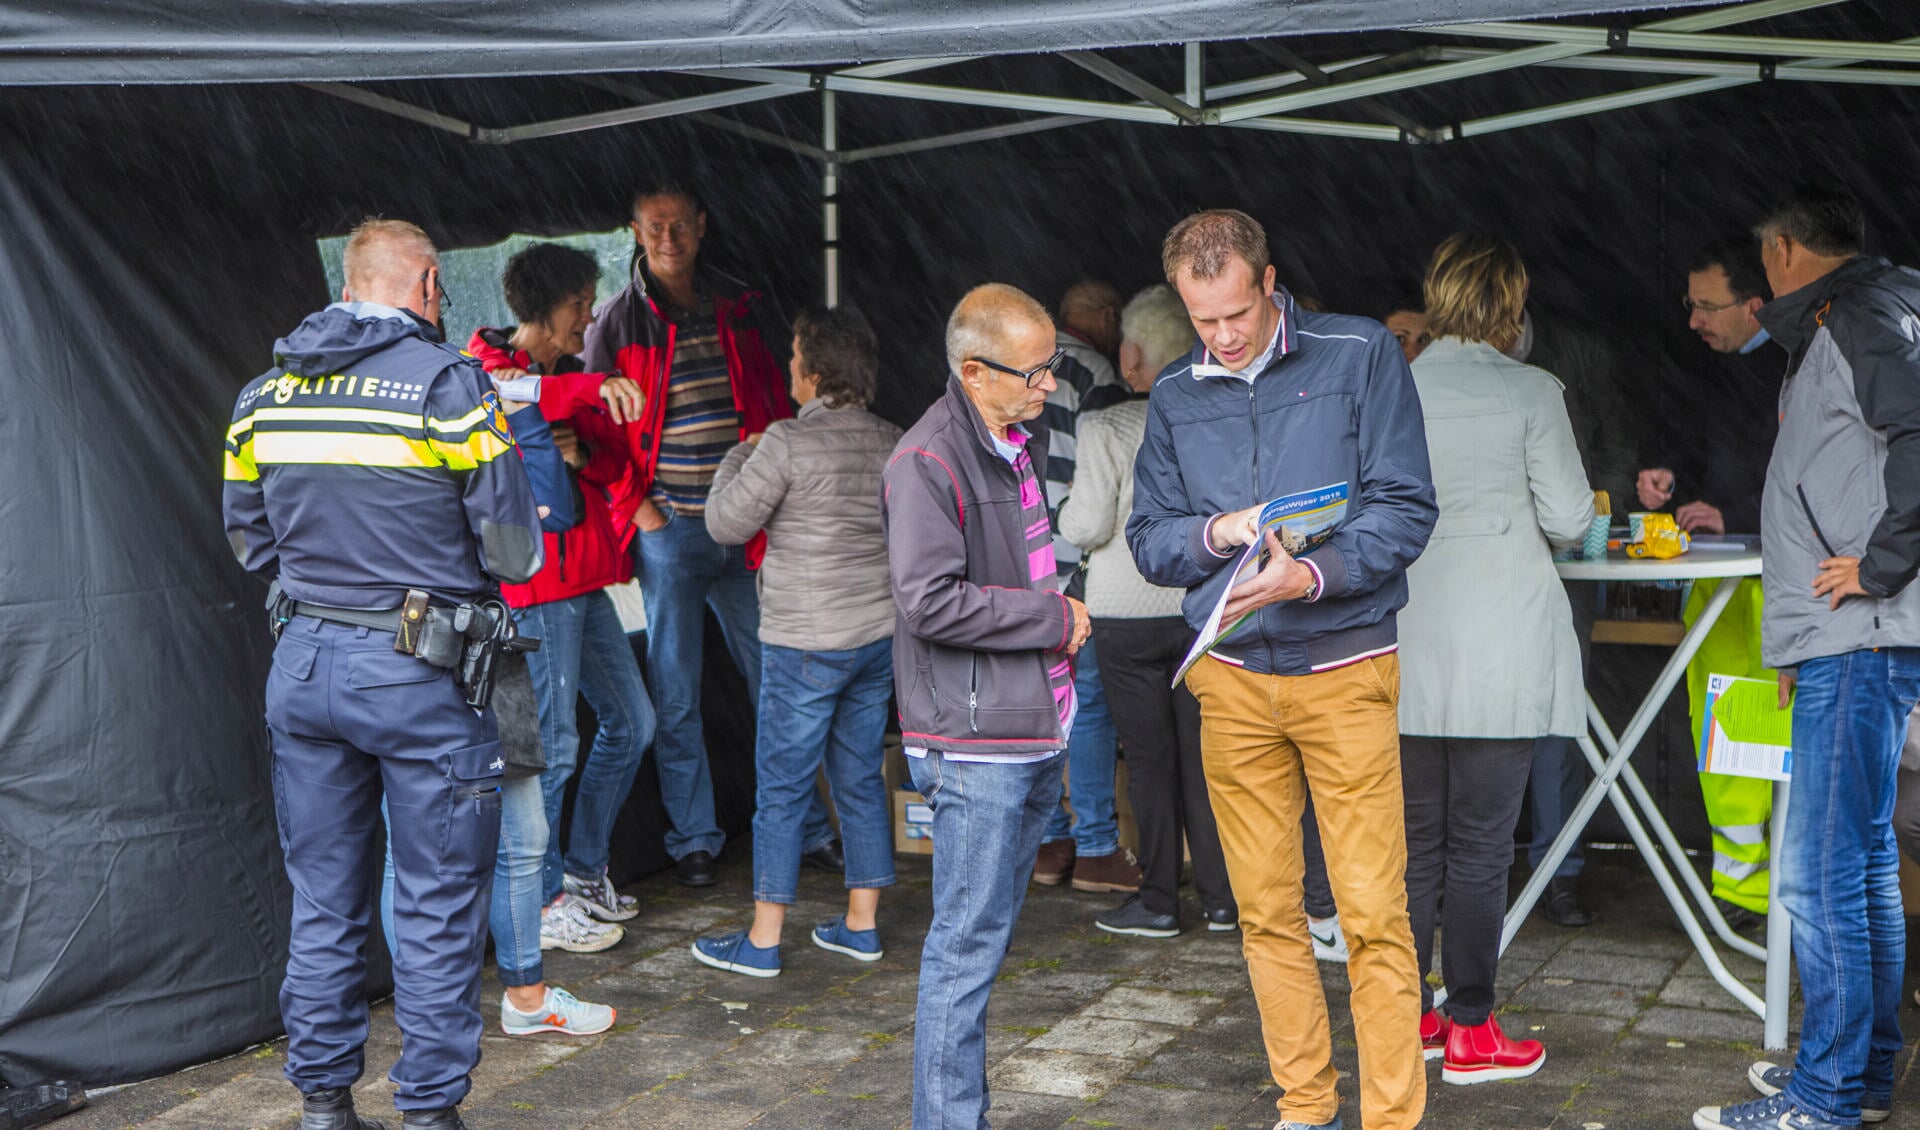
<point x="1483" y="1053"/>
<point x="1434" y="1029"/>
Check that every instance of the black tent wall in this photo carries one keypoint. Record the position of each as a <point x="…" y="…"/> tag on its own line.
<point x="156" y="241"/>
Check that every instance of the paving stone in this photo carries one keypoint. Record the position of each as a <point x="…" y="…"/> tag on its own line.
<point x="1700" y="1024"/>
<point x="1613" y="968"/>
<point x="1016" y="1110"/>
<point x="815" y="1111"/>
<point x="1699" y="992"/>
<point x="1126" y="1003"/>
<point x="1153" y="1106"/>
<point x="664" y="1113"/>
<point x="1068" y="1074"/>
<point x="1095" y="1036"/>
<point x="1562" y="994"/>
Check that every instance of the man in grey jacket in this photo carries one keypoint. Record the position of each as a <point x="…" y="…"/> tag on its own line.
<point x="1841" y="509"/>
<point x="983" y="670"/>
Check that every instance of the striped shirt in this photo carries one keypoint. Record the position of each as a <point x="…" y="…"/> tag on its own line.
<point x="702" y="421"/>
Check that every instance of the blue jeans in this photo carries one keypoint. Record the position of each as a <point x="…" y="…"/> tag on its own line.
<point x="1090" y="755"/>
<point x="987" y="820"/>
<point x="1555" y="787"/>
<point x="1839" y="869"/>
<point x="683" y="572"/>
<point x="583" y="649"/>
<point x="513" y="913"/>
<point x="819" y="706"/>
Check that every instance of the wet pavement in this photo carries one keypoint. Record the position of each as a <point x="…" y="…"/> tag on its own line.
<point x="1086" y="1029"/>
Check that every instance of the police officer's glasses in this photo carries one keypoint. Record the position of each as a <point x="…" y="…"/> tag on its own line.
<point x="1693" y="307"/>
<point x="1032" y="376"/>
<point x="446" y="300"/>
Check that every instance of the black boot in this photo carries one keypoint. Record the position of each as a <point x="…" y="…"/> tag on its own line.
<point x="332" y="1109"/>
<point x="445" y="1119"/>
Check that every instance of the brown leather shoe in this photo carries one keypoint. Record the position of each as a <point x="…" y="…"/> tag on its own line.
<point x="1112" y="872"/>
<point x="1054" y="863"/>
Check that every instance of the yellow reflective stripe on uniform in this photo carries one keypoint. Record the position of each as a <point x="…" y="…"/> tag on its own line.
<point x="464" y="455"/>
<point x="361" y="449"/>
<point x="471" y="419"/>
<point x="240" y="427"/>
<point x="240" y="470"/>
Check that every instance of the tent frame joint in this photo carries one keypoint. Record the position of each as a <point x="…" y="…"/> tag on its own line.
<point x="1617" y="38"/>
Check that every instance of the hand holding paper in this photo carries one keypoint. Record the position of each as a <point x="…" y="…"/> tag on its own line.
<point x="1283" y="578"/>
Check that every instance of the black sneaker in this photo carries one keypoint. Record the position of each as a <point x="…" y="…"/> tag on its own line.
<point x="826" y="857"/>
<point x="332" y="1109"/>
<point x="694" y="869"/>
<point x="1223" y="920"/>
<point x="1132" y="918"/>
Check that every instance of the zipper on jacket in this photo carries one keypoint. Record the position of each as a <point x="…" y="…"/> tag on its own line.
<point x="1807" y="509"/>
<point x="973" y="691"/>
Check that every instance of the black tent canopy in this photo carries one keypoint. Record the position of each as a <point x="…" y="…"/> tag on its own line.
<point x="165" y="168"/>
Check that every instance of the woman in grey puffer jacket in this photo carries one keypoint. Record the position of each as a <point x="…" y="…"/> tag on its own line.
<point x="826" y="634"/>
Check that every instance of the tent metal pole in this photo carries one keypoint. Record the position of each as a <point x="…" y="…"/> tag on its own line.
<point x="1196" y="72"/>
<point x="1362" y="131"/>
<point x="631" y="114"/>
<point x="1599" y="38"/>
<point x="394" y="106"/>
<point x="1825" y="70"/>
<point x="1745" y="74"/>
<point x="717" y="121"/>
<point x="1555" y="47"/>
<point x="904" y="66"/>
<point x="1580" y="108"/>
<point x="1002" y="100"/>
<point x="1135" y="85"/>
<point x="830" y="195"/>
<point x="964" y="137"/>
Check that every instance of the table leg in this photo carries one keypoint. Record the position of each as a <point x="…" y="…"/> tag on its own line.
<point x="1779" y="937"/>
<point x="1702" y="897"/>
<point x="1637" y="728"/>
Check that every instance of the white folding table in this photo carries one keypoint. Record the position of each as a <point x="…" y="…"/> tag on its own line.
<point x="1730" y="559"/>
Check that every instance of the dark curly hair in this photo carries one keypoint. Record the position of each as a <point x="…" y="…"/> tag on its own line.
<point x="539" y="278"/>
<point x="839" y="346"/>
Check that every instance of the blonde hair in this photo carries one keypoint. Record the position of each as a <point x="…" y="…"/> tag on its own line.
<point x="1476" y="289"/>
<point x="379" y="252"/>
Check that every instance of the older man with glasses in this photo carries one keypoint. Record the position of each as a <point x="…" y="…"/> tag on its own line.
<point x="983" y="669"/>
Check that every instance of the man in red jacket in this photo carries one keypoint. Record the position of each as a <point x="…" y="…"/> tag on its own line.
<point x="689" y="338"/>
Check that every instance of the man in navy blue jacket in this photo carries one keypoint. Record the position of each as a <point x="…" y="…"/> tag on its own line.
<point x="1278" y="401"/>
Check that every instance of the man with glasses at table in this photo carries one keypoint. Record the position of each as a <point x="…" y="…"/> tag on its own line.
<point x="1731" y="404"/>
<point x="983" y="669"/>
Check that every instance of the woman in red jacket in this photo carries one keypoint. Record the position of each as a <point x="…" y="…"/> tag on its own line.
<point x="550" y="288"/>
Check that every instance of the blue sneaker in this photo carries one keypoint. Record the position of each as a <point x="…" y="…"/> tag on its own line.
<point x="860" y="945"/>
<point x="1289" y="1124"/>
<point x="735" y="954"/>
<point x="1775" y="1112"/>
<point x="1772" y="1078"/>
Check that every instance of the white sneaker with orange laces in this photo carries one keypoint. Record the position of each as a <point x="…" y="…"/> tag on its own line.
<point x="561" y="1011"/>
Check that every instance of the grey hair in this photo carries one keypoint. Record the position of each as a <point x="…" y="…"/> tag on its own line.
<point x="980" y="321"/>
<point x="1156" y="320"/>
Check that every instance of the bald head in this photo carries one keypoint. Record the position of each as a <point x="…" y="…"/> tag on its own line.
<point x="996" y="335"/>
<point x="384" y="262"/>
<point x="992" y="318"/>
<point x="1091" y="309"/>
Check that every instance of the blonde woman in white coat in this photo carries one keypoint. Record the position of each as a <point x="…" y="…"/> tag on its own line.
<point x="1488" y="658"/>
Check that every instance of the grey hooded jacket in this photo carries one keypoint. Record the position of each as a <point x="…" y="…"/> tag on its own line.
<point x="1844" y="479"/>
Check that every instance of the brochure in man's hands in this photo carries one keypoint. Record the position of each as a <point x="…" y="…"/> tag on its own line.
<point x="1303" y="521"/>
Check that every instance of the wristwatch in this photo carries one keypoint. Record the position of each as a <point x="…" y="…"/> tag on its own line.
<point x="1313" y="588"/>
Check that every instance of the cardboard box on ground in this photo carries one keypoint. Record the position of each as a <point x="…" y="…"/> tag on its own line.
<point x="913" y="820"/>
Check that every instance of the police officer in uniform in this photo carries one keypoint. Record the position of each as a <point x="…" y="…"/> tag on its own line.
<point x="372" y="473"/>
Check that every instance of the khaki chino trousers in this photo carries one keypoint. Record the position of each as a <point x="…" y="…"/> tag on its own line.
<point x="1267" y="740"/>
